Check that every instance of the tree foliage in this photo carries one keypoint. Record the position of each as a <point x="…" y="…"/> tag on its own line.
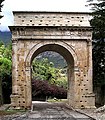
<point x="5" y="71"/>
<point x="5" y="58"/>
<point x="98" y="24"/>
<point x="45" y="70"/>
<point x="41" y="89"/>
<point x="1" y="5"/>
<point x="5" y="50"/>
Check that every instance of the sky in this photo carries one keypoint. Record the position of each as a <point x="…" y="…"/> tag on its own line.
<point x="38" y="5"/>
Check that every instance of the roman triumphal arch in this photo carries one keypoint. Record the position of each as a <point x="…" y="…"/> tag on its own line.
<point x="68" y="33"/>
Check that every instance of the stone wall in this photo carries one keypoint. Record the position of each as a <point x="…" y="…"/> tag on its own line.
<point x="51" y="19"/>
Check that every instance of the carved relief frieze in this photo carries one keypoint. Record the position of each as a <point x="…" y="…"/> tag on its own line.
<point x="51" y="33"/>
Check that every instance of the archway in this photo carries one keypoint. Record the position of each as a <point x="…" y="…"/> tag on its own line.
<point x="69" y="34"/>
<point x="61" y="48"/>
<point x="49" y="77"/>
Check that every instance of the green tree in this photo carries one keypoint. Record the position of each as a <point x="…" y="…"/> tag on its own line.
<point x="6" y="50"/>
<point x="1" y="5"/>
<point x="45" y="70"/>
<point x="98" y="24"/>
<point x="5" y="71"/>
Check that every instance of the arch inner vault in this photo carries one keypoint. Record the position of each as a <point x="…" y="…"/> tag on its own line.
<point x="68" y="34"/>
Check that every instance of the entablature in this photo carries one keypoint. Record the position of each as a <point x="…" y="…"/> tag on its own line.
<point x="51" y="32"/>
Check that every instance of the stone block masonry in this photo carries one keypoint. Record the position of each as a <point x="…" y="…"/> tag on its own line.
<point x="67" y="33"/>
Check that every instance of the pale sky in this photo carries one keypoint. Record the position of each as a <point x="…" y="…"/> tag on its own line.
<point x="39" y="5"/>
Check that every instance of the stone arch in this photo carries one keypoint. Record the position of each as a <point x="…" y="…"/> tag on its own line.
<point x="63" y="49"/>
<point x="63" y="44"/>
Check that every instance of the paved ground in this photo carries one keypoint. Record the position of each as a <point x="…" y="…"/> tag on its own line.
<point x="49" y="111"/>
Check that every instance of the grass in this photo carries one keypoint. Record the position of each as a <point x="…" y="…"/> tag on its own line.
<point x="5" y="112"/>
<point x="8" y="111"/>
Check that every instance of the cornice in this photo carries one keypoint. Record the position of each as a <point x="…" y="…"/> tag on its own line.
<point x="72" y="28"/>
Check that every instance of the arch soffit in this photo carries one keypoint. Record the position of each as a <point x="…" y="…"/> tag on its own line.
<point x="63" y="44"/>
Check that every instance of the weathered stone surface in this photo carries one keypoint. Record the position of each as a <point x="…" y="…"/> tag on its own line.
<point x="70" y="37"/>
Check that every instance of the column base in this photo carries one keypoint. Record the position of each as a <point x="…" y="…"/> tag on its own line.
<point x="14" y="101"/>
<point x="87" y="102"/>
<point x="17" y="103"/>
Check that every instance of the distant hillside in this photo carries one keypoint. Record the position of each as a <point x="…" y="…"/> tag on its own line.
<point x="54" y="57"/>
<point x="5" y="36"/>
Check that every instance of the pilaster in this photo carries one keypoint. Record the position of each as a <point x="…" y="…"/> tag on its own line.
<point x="15" y="92"/>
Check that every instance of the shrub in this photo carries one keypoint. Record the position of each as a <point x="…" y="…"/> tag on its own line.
<point x="43" y="88"/>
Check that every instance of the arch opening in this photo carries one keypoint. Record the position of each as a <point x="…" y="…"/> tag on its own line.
<point x="49" y="77"/>
<point x="66" y="55"/>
